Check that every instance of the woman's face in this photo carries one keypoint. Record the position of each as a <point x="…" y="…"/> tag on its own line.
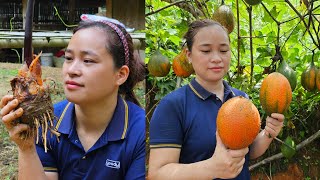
<point x="88" y="71"/>
<point x="210" y="54"/>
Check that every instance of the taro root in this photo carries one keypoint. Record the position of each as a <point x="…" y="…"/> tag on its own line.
<point x="34" y="98"/>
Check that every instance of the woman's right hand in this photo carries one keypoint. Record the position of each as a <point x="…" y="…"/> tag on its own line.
<point x="9" y="116"/>
<point x="228" y="163"/>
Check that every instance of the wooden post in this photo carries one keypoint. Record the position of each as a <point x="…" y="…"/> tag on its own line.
<point x="130" y="12"/>
<point x="28" y="51"/>
<point x="72" y="11"/>
<point x="24" y="14"/>
<point x="109" y="8"/>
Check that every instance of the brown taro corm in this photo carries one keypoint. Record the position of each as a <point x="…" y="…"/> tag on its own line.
<point x="34" y="99"/>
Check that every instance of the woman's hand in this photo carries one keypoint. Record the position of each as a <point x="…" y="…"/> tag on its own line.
<point x="19" y="133"/>
<point x="228" y="163"/>
<point x="274" y="124"/>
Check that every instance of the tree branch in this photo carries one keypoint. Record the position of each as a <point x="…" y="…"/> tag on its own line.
<point x="290" y="34"/>
<point x="304" y="22"/>
<point x="251" y="45"/>
<point x="302" y="16"/>
<point x="313" y="25"/>
<point x="187" y="7"/>
<point x="274" y="19"/>
<point x="239" y="37"/>
<point x="165" y="7"/>
<point x="315" y="18"/>
<point x="280" y="155"/>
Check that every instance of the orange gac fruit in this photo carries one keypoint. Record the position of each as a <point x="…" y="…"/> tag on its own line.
<point x="318" y="79"/>
<point x="181" y="66"/>
<point x="238" y="122"/>
<point x="275" y="93"/>
<point x="308" y="77"/>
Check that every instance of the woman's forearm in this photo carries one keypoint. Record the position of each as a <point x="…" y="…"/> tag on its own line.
<point x="260" y="145"/>
<point x="30" y="165"/>
<point x="176" y="171"/>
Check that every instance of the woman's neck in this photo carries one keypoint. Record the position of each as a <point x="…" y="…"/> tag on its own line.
<point x="216" y="87"/>
<point x="95" y="116"/>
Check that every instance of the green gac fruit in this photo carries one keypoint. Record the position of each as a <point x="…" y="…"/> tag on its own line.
<point x="159" y="65"/>
<point x="289" y="73"/>
<point x="225" y="17"/>
<point x="289" y="148"/>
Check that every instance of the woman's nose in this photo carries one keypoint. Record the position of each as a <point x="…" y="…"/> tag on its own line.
<point x="73" y="68"/>
<point x="215" y="57"/>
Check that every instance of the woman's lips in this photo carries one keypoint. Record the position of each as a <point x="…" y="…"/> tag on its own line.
<point x="72" y="85"/>
<point x="216" y="69"/>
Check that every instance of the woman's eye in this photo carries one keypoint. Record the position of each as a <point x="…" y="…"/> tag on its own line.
<point x="205" y="51"/>
<point x="88" y="61"/>
<point x="67" y="58"/>
<point x="224" y="51"/>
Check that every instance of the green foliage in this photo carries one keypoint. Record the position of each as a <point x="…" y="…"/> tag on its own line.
<point x="165" y="30"/>
<point x="284" y="28"/>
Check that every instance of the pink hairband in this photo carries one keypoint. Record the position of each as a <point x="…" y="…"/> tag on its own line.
<point x="111" y="23"/>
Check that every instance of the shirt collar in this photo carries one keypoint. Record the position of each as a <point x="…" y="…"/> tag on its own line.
<point x="116" y="130"/>
<point x="203" y="94"/>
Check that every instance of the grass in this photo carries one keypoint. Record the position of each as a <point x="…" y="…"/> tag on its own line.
<point x="8" y="153"/>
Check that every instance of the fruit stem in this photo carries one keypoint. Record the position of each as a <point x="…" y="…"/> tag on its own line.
<point x="312" y="59"/>
<point x="178" y="84"/>
<point x="279" y="140"/>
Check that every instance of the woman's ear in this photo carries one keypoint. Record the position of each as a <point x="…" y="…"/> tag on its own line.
<point x="189" y="56"/>
<point x="123" y="74"/>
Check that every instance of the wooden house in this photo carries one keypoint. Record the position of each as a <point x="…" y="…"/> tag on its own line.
<point x="54" y="20"/>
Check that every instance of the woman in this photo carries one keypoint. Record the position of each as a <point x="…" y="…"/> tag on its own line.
<point x="183" y="139"/>
<point x="101" y="125"/>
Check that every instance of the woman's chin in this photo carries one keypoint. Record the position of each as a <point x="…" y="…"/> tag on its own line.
<point x="74" y="97"/>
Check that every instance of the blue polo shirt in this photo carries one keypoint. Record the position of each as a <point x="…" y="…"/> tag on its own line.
<point x="186" y="119"/>
<point x="118" y="154"/>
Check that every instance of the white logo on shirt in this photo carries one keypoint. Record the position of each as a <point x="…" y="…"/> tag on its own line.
<point x="113" y="164"/>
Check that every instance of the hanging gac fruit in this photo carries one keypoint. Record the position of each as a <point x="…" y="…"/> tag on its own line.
<point x="275" y="93"/>
<point x="253" y="2"/>
<point x="308" y="77"/>
<point x="159" y="65"/>
<point x="289" y="73"/>
<point x="181" y="65"/>
<point x="225" y="17"/>
<point x="318" y="79"/>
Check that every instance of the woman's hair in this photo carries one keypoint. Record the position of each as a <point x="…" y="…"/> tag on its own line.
<point x="194" y="28"/>
<point x="122" y="53"/>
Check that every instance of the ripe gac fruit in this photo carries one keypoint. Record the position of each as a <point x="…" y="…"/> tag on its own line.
<point x="181" y="66"/>
<point x="275" y="93"/>
<point x="238" y="122"/>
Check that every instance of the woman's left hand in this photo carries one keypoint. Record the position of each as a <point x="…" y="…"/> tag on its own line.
<point x="274" y="124"/>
